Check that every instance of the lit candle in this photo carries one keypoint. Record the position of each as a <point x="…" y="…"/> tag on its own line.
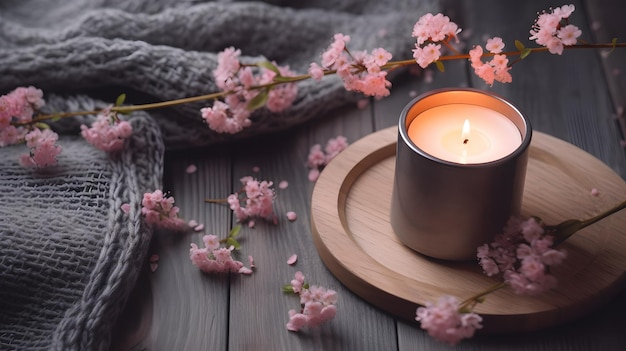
<point x="464" y="133"/>
<point x="460" y="167"/>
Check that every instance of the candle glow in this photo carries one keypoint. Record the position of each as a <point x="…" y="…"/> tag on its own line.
<point x="486" y="135"/>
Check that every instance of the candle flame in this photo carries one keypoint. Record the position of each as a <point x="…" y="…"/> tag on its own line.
<point x="466" y="131"/>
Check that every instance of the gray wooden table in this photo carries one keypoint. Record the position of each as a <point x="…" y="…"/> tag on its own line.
<point x="578" y="97"/>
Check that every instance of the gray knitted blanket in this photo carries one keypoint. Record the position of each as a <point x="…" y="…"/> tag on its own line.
<point x="69" y="256"/>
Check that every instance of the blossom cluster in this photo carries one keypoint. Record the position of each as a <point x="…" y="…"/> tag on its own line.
<point x="359" y="71"/>
<point x="215" y="259"/>
<point x="232" y="114"/>
<point x="256" y="199"/>
<point x="318" y="158"/>
<point x="107" y="133"/>
<point x="522" y="255"/>
<point x="317" y="304"/>
<point x="553" y="31"/>
<point x="445" y="322"/>
<point x="496" y="69"/>
<point x="159" y="210"/>
<point x="16" y="112"/>
<point x="43" y="148"/>
<point x="430" y="30"/>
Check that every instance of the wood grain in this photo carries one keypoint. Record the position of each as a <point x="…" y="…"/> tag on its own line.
<point x="350" y="210"/>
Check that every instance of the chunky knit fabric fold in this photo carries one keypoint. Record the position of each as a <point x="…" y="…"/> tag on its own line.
<point x="69" y="255"/>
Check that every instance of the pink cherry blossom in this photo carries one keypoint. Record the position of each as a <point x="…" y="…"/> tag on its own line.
<point x="318" y="158"/>
<point x="19" y="105"/>
<point x="316" y="71"/>
<point x="318" y="305"/>
<point x="522" y="255"/>
<point x="496" y="69"/>
<point x="254" y="200"/>
<point x="434" y="28"/>
<point x="242" y="84"/>
<point x="225" y="118"/>
<point x="43" y="149"/>
<point x="426" y="55"/>
<point x="215" y="259"/>
<point x="569" y="34"/>
<point x="494" y="45"/>
<point x="444" y="322"/>
<point x="359" y="70"/>
<point x="159" y="210"/>
<point x="107" y="132"/>
<point x="552" y="30"/>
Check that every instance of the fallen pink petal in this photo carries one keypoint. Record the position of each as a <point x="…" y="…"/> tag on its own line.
<point x="283" y="184"/>
<point x="292" y="259"/>
<point x="154" y="258"/>
<point x="153" y="267"/>
<point x="199" y="227"/>
<point x="595" y="192"/>
<point x="193" y="223"/>
<point x="251" y="261"/>
<point x="292" y="216"/>
<point x="191" y="169"/>
<point x="125" y="208"/>
<point x="245" y="270"/>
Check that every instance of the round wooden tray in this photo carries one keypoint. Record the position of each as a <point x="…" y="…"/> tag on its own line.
<point x="351" y="230"/>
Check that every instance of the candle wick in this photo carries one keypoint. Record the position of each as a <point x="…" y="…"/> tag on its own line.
<point x="465" y="141"/>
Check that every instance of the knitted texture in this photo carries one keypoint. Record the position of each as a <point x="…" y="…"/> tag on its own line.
<point x="166" y="49"/>
<point x="70" y="255"/>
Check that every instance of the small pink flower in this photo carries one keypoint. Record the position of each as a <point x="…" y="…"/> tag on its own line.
<point x="522" y="255"/>
<point x="434" y="28"/>
<point x="426" y="55"/>
<point x="318" y="158"/>
<point x="43" y="149"/>
<point x="317" y="305"/>
<point x="211" y="242"/>
<point x="159" y="210"/>
<point x="552" y="30"/>
<point x="107" y="133"/>
<point x="444" y="322"/>
<point x="257" y="200"/>
<point x="316" y="72"/>
<point x="495" y="45"/>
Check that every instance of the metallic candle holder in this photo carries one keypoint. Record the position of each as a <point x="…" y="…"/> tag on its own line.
<point x="446" y="209"/>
